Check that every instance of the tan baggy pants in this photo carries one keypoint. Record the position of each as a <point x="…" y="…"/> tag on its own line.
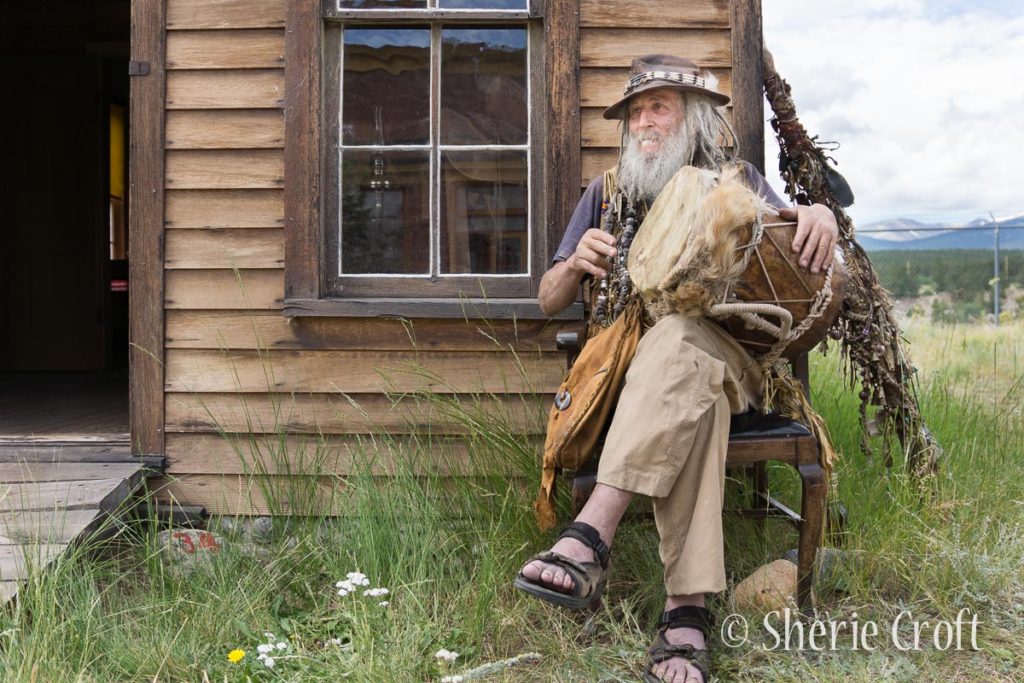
<point x="669" y="436"/>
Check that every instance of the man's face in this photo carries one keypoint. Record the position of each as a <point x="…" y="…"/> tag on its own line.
<point x="653" y="116"/>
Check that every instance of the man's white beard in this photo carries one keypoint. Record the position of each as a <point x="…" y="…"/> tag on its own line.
<point x="641" y="175"/>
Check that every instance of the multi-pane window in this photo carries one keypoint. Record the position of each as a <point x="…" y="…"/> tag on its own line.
<point x="429" y="173"/>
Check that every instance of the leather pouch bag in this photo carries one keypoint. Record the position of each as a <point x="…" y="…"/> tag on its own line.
<point x="583" y="403"/>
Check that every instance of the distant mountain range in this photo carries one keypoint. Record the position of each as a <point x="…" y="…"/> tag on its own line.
<point x="908" y="234"/>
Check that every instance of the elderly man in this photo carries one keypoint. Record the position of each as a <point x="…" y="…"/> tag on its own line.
<point x="670" y="431"/>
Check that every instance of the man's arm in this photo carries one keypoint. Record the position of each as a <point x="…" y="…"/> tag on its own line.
<point x="560" y="283"/>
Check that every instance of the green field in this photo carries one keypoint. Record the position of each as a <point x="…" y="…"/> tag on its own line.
<point x="447" y="552"/>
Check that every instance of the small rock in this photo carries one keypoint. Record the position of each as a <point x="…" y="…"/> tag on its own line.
<point x="185" y="548"/>
<point x="229" y="526"/>
<point x="770" y="587"/>
<point x="263" y="529"/>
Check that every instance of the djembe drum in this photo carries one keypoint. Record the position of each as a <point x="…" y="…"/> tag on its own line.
<point x="711" y="246"/>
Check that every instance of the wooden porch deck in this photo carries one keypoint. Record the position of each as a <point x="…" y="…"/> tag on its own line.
<point x="54" y="494"/>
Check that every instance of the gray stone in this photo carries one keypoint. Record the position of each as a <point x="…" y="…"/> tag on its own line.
<point x="262" y="530"/>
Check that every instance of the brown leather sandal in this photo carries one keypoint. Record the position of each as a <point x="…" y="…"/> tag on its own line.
<point x="588" y="578"/>
<point x="687" y="616"/>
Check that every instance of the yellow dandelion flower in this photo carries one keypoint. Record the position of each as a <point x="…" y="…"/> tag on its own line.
<point x="235" y="656"/>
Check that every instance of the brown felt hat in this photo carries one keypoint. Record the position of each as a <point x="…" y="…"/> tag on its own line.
<point x="665" y="71"/>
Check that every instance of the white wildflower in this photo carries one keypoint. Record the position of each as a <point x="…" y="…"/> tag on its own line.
<point x="282" y="645"/>
<point x="457" y="678"/>
<point x="358" y="578"/>
<point x="447" y="655"/>
<point x="334" y="641"/>
<point x="269" y="636"/>
<point x="342" y="592"/>
<point x="268" y="662"/>
<point x="264" y="648"/>
<point x="376" y="592"/>
<point x="383" y="603"/>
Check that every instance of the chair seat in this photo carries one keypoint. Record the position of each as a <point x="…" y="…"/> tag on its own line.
<point x="757" y="425"/>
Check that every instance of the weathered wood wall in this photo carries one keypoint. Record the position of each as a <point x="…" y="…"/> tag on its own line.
<point x="233" y="363"/>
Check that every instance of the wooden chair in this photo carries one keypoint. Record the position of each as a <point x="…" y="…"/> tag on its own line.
<point x="754" y="439"/>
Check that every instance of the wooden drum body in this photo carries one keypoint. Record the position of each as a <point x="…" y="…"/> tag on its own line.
<point x="774" y="277"/>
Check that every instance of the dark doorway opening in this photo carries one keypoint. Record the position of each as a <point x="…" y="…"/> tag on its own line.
<point x="63" y="255"/>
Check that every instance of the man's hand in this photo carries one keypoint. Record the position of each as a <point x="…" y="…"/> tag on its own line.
<point x="817" y="234"/>
<point x="592" y="253"/>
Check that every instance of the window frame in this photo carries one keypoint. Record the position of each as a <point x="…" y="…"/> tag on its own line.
<point x="554" y="156"/>
<point x="434" y="283"/>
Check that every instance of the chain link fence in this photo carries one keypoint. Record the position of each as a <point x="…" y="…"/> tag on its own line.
<point x="951" y="274"/>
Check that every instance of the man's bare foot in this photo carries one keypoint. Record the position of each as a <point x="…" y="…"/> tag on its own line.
<point x="554" y="576"/>
<point x="678" y="669"/>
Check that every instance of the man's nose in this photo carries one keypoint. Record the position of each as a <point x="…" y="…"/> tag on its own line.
<point x="645" y="119"/>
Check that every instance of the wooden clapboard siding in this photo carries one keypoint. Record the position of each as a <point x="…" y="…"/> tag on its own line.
<point x="235" y="494"/>
<point x="336" y="413"/>
<point x="225" y="14"/>
<point x="232" y="494"/>
<point x="227" y="49"/>
<point x="224" y="169"/>
<point x="262" y="330"/>
<point x="225" y="129"/>
<point x="225" y="248"/>
<point x="224" y="289"/>
<point x="654" y="13"/>
<point x="224" y="209"/>
<point x="597" y="160"/>
<point x="617" y="46"/>
<point x="312" y="454"/>
<point x="233" y="89"/>
<point x="201" y="370"/>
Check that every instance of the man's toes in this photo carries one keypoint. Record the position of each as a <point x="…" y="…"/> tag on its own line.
<point x="532" y="570"/>
<point x="557" y="578"/>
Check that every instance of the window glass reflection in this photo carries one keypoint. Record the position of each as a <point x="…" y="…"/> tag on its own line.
<point x="386" y="86"/>
<point x="484" y="212"/>
<point x="482" y="4"/>
<point x="483" y="86"/>
<point x="385" y="212"/>
<point x="381" y="4"/>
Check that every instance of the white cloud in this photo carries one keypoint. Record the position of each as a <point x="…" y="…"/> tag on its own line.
<point x="923" y="96"/>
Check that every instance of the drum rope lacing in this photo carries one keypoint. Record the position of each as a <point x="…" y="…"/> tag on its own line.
<point x="752" y="313"/>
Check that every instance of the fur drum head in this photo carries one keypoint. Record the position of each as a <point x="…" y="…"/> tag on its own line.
<point x="710" y="246"/>
<point x="685" y="256"/>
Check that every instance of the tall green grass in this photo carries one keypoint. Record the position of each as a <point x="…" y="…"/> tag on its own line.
<point x="448" y="547"/>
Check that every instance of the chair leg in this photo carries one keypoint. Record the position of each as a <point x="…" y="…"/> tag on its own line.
<point x="812" y="512"/>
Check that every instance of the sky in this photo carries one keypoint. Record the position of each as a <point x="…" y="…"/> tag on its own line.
<point x="926" y="99"/>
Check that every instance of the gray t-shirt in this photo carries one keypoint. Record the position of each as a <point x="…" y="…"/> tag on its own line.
<point x="588" y="212"/>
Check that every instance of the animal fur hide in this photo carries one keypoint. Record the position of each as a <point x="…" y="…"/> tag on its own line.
<point x="687" y="254"/>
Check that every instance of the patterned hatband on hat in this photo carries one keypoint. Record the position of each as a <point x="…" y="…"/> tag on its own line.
<point x="665" y="71"/>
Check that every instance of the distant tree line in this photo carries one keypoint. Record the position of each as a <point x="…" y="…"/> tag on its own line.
<point x="966" y="275"/>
